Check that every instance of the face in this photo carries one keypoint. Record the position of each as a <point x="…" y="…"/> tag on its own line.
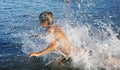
<point x="46" y="19"/>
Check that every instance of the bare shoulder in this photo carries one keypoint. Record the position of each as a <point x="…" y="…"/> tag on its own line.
<point x="54" y="28"/>
<point x="59" y="32"/>
<point x="57" y="28"/>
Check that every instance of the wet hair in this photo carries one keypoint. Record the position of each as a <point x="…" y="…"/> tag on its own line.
<point x="46" y="16"/>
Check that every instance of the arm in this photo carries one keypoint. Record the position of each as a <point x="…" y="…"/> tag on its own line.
<point x="50" y="48"/>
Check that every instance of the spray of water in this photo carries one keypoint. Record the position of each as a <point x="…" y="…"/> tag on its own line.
<point x="98" y="38"/>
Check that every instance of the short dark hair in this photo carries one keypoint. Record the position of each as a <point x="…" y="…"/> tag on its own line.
<point x="46" y="16"/>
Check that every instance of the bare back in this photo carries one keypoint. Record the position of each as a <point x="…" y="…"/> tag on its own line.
<point x="62" y="43"/>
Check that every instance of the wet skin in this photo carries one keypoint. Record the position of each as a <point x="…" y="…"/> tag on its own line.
<point x="59" y="36"/>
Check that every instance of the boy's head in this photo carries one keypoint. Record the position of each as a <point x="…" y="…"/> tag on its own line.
<point x="46" y="19"/>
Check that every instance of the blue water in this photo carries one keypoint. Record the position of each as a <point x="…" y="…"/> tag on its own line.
<point x="17" y="16"/>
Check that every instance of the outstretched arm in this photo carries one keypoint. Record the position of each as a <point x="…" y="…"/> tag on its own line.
<point x="50" y="48"/>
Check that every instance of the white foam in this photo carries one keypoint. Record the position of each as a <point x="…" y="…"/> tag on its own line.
<point x="101" y="40"/>
<point x="104" y="44"/>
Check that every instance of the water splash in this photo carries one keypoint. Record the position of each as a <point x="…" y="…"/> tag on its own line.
<point x="98" y="37"/>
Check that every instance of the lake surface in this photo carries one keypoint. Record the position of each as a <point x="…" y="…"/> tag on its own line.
<point x="19" y="20"/>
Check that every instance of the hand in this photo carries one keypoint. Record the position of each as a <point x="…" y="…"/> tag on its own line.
<point x="33" y="54"/>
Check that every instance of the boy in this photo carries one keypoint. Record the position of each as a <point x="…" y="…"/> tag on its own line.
<point x="60" y="41"/>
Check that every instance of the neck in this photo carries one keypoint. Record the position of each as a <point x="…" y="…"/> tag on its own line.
<point x="49" y="27"/>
